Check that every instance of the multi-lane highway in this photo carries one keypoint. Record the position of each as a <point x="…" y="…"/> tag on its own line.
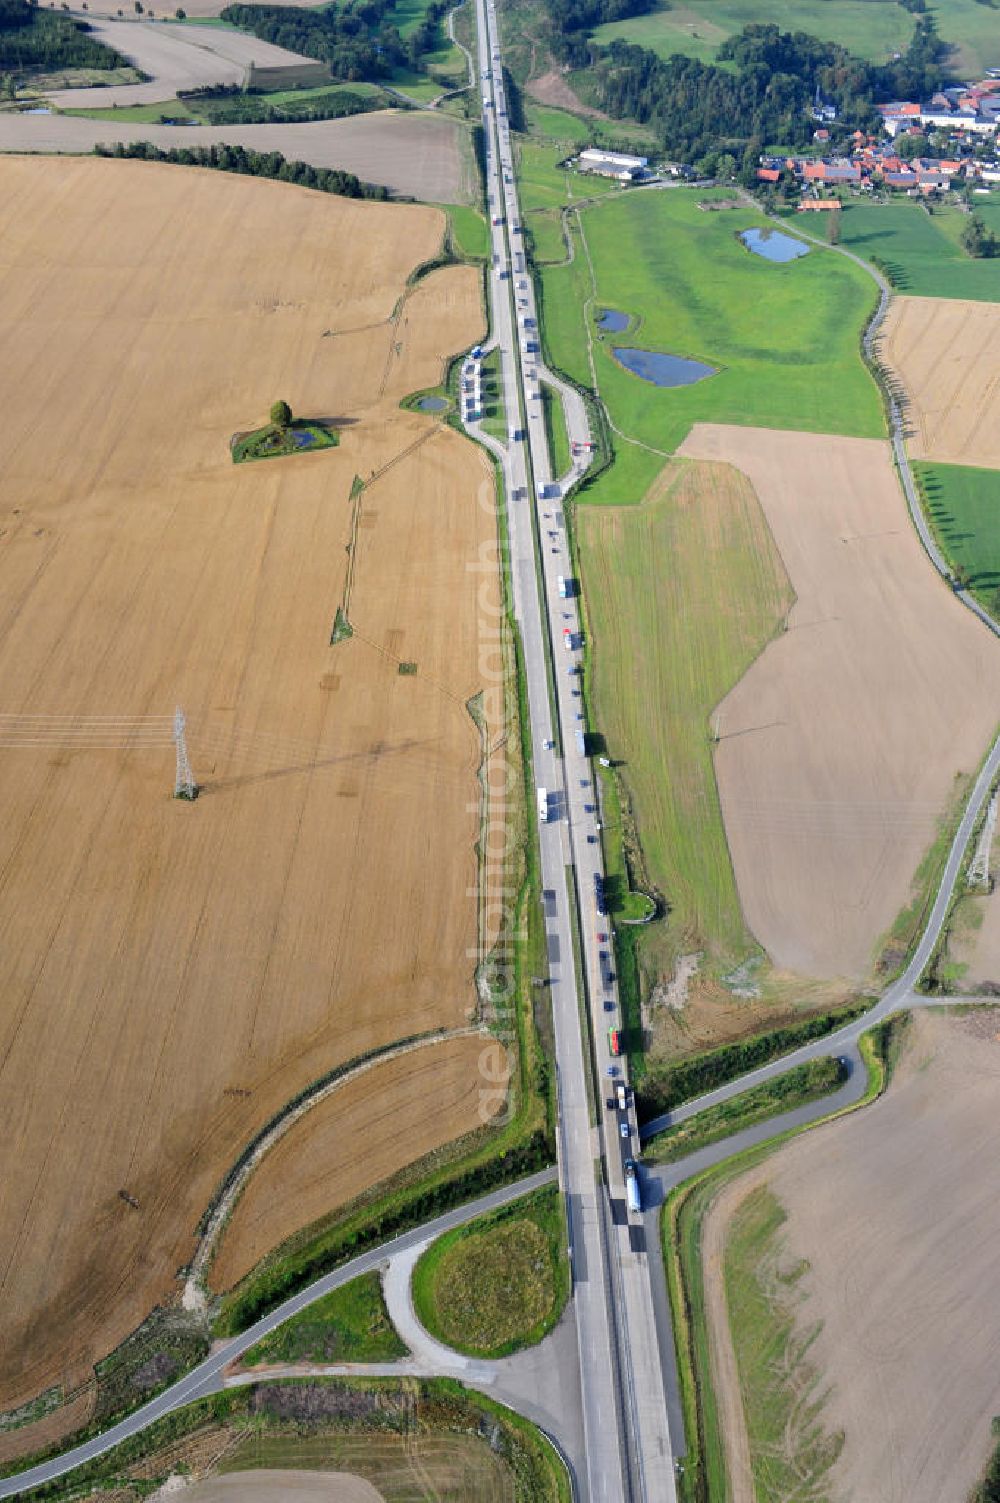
<point x="625" y="1418"/>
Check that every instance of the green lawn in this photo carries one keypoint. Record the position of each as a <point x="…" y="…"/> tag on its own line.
<point x="139" y="114"/>
<point x="349" y="1325"/>
<point x="469" y="232"/>
<point x="870" y="28"/>
<point x="499" y="1283"/>
<point x="920" y="251"/>
<point x="556" y="125"/>
<point x="784" y="339"/>
<point x="964" y="507"/>
<point x="663" y="653"/>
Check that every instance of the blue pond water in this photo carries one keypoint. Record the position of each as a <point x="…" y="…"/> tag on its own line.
<point x="432" y="404"/>
<point x="613" y="321"/>
<point x="773" y="245"/>
<point x="303" y="440"/>
<point x="663" y="370"/>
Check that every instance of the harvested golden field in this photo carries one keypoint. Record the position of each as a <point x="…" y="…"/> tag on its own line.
<point x="947" y="355"/>
<point x="872" y="1314"/>
<point x="171" y="973"/>
<point x="435" y="1091"/>
<point x="837" y="752"/>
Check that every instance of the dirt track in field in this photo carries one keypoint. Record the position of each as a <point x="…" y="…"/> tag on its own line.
<point x="897" y="1212"/>
<point x="436" y="1092"/>
<point x="838" y="750"/>
<point x="171" y="974"/>
<point x="175" y="57"/>
<point x="947" y="354"/>
<point x="413" y="152"/>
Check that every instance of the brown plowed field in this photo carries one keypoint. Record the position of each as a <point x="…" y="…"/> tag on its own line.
<point x="172" y="974"/>
<point x="412" y="152"/>
<point x="896" y="1210"/>
<point x="435" y="1091"/>
<point x="838" y="750"/>
<point x="947" y="355"/>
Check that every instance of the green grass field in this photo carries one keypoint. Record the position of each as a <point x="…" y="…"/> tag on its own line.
<point x="469" y="232"/>
<point x="501" y="1282"/>
<point x="349" y="1325"/>
<point x="869" y="28"/>
<point x="663" y="654"/>
<point x="784" y="339"/>
<point x="791" y="1451"/>
<point x="964" y="508"/>
<point x="920" y="251"/>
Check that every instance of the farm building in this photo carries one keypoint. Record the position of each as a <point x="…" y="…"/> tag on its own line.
<point x="613" y="164"/>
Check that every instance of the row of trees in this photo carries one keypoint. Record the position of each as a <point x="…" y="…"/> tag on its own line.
<point x="250" y="164"/>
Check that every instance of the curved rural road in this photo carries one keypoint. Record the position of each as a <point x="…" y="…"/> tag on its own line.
<point x="204" y="1378"/>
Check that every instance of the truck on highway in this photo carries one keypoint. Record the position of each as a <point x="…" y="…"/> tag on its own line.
<point x="615" y="1041"/>
<point x="543" y="805"/>
<point x="622" y="1093"/>
<point x="599" y="898"/>
<point x="581" y="743"/>
<point x="633" y="1194"/>
<point x="567" y="586"/>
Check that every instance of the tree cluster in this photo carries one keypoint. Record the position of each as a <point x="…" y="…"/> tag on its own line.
<point x="698" y="109"/>
<point x="247" y="107"/>
<point x="978" y="241"/>
<point x="251" y="164"/>
<point x="34" y="38"/>
<point x="355" y="39"/>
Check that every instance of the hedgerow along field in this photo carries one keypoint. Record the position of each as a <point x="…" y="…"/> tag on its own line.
<point x="920" y="252"/>
<point x="869" y="28"/>
<point x="783" y="339"/>
<point x="173" y="972"/>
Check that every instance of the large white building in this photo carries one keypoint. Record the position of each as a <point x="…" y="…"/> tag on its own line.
<point x="612" y="164"/>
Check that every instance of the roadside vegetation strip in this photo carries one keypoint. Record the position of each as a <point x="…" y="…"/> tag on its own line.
<point x="668" y="1086"/>
<point x="555" y="429"/>
<point x="468" y="232"/>
<point x="704" y="1477"/>
<point x="309" y="1422"/>
<point x="808" y="1082"/>
<point x="350" y="1325"/>
<point x="498" y="1284"/>
<point x="791" y="1450"/>
<point x="660" y="657"/>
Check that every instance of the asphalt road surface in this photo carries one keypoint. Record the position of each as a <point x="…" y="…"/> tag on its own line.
<point x="205" y="1378"/>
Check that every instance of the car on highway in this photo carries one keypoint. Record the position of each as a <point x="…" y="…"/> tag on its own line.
<point x="612" y="1070"/>
<point x="625" y="1130"/>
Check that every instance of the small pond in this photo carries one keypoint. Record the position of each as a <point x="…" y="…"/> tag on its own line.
<point x="302" y="438"/>
<point x="663" y="370"/>
<point x="612" y="321"/>
<point x="432" y="404"/>
<point x="773" y="245"/>
<point x="38" y="110"/>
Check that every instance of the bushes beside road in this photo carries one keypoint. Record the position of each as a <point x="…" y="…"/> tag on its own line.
<point x="666" y="1086"/>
